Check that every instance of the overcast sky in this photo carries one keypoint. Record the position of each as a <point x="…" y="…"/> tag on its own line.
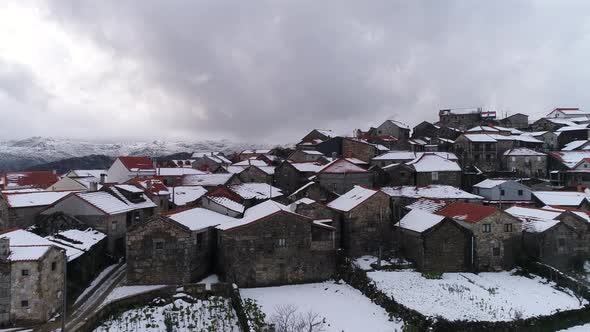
<point x="269" y="71"/>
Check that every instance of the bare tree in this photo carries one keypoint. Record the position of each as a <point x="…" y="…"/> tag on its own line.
<point x="287" y="319"/>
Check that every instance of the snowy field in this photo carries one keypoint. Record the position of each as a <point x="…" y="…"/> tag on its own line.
<point x="581" y="328"/>
<point x="214" y="314"/>
<point x="343" y="307"/>
<point x="125" y="291"/>
<point x="476" y="297"/>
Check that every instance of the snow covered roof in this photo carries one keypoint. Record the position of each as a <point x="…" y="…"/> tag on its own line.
<point x="535" y="133"/>
<point x="76" y="242"/>
<point x="25" y="246"/>
<point x="574" y="145"/>
<point x="342" y="166"/>
<point x="256" y="213"/>
<point x="419" y="221"/>
<point x="304" y="200"/>
<point x="528" y="214"/>
<point x="251" y="162"/>
<point x="31" y="199"/>
<point x="572" y="128"/>
<point x="206" y="179"/>
<point x="570" y="158"/>
<point x="105" y="202"/>
<point x="255" y="190"/>
<point x="219" y="159"/>
<point x="483" y="128"/>
<point x="351" y="199"/>
<point x="256" y="151"/>
<point x="88" y="172"/>
<point x="468" y="212"/>
<point x="432" y="191"/>
<point x="177" y="171"/>
<point x="480" y="138"/>
<point x="427" y="204"/>
<point x="129" y="188"/>
<point x="410" y="155"/>
<point x="308" y="167"/>
<point x="29" y="179"/>
<point x="561" y="198"/>
<point x="134" y="164"/>
<point x="146" y="203"/>
<point x="490" y="183"/>
<point x="183" y="195"/>
<point x="305" y="186"/>
<point x="198" y="218"/>
<point x="523" y="152"/>
<point x="201" y="154"/>
<point x="153" y="186"/>
<point x="433" y="163"/>
<point x="228" y="203"/>
<point x="399" y="124"/>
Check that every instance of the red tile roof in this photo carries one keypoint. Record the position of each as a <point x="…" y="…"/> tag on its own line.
<point x="137" y="162"/>
<point x="468" y="212"/>
<point x="157" y="185"/>
<point x="32" y="179"/>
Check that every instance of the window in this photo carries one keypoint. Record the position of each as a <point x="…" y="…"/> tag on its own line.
<point x="281" y="243"/>
<point x="159" y="245"/>
<point x="526" y="159"/>
<point x="507" y="228"/>
<point x="561" y="242"/>
<point x="199" y="240"/>
<point x="502" y="192"/>
<point x="114" y="225"/>
<point x="434" y="176"/>
<point x="513" y="159"/>
<point x="496" y="251"/>
<point x="539" y="159"/>
<point x="24" y="304"/>
<point x="24" y="273"/>
<point x="520" y="192"/>
<point x="487" y="228"/>
<point x="53" y="266"/>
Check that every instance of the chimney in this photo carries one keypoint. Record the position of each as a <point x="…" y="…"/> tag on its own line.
<point x="149" y="184"/>
<point x="54" y="172"/>
<point x="92" y="186"/>
<point x="334" y="155"/>
<point x="103" y="178"/>
<point x="4" y="248"/>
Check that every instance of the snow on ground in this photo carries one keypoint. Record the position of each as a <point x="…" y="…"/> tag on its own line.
<point x="476" y="297"/>
<point x="580" y="328"/>
<point x="96" y="281"/>
<point x="125" y="291"/>
<point x="212" y="279"/>
<point x="364" y="262"/>
<point x="213" y="314"/>
<point x="343" y="307"/>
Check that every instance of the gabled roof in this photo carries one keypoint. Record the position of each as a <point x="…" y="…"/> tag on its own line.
<point x="198" y="218"/>
<point x="251" y="161"/>
<point x="342" y="166"/>
<point x="183" y="195"/>
<point x="258" y="212"/>
<point x="430" y="162"/>
<point x="491" y="183"/>
<point x="255" y="190"/>
<point x="523" y="152"/>
<point x="25" y="246"/>
<point x="570" y="158"/>
<point x="105" y="202"/>
<point x="30" y="179"/>
<point x="177" y="171"/>
<point x="575" y="145"/>
<point x="352" y="199"/>
<point x="153" y="185"/>
<point x="431" y="191"/>
<point x="398" y="123"/>
<point x="483" y="128"/>
<point x="535" y="220"/>
<point x="134" y="164"/>
<point x="427" y="205"/>
<point x="206" y="180"/>
<point x="480" y="138"/>
<point x="561" y="198"/>
<point x="419" y="221"/>
<point x="471" y="213"/>
<point x="32" y="199"/>
<point x="307" y="167"/>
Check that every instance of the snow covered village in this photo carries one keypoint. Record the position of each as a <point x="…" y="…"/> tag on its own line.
<point x="471" y="222"/>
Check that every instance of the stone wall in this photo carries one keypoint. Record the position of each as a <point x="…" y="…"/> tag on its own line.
<point x="254" y="174"/>
<point x="5" y="290"/>
<point x="288" y="179"/>
<point x="444" y="178"/>
<point x="255" y="255"/>
<point x="529" y="166"/>
<point x="356" y="149"/>
<point x="341" y="183"/>
<point x="548" y="248"/>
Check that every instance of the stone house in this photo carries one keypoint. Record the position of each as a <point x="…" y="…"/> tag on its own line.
<point x="477" y="149"/>
<point x="272" y="245"/>
<point x="548" y="138"/>
<point x="106" y="212"/>
<point x="21" y="208"/>
<point x="224" y="201"/>
<point x="36" y="268"/>
<point x="434" y="243"/>
<point x="341" y="175"/>
<point x="394" y="128"/>
<point x="360" y="149"/>
<point x="176" y="248"/>
<point x="314" y="137"/>
<point x="155" y="190"/>
<point x="518" y="121"/>
<point x="526" y="162"/>
<point x="27" y="180"/>
<point x="209" y="181"/>
<point x="126" y="168"/>
<point x="248" y="154"/>
<point x="291" y="176"/>
<point x="567" y="113"/>
<point x="394" y="157"/>
<point x="262" y="174"/>
<point x="430" y="168"/>
<point x="569" y="134"/>
<point x="363" y="221"/>
<point x="399" y="175"/>
<point x="464" y="118"/>
<point x="565" y="199"/>
<point x="309" y="208"/>
<point x="503" y="191"/>
<point x="425" y="129"/>
<point x="496" y="234"/>
<point x="303" y="156"/>
<point x="550" y="124"/>
<point x="211" y="162"/>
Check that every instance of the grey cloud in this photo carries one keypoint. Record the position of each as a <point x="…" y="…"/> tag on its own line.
<point x="267" y="70"/>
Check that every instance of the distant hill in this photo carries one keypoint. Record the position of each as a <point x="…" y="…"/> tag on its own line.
<point x="36" y="152"/>
<point x="86" y="162"/>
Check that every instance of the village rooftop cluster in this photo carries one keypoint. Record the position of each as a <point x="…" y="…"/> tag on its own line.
<point x="468" y="193"/>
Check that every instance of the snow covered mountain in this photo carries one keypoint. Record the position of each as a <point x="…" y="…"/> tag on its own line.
<point x="20" y="154"/>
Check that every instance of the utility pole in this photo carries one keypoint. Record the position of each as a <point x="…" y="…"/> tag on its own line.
<point x="64" y="294"/>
